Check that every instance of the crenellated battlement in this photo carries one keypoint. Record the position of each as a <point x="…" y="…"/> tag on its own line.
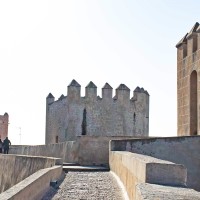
<point x="122" y="92"/>
<point x="190" y="43"/>
<point x="75" y="115"/>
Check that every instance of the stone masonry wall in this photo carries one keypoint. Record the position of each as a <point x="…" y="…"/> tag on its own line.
<point x="188" y="87"/>
<point x="86" y="150"/>
<point x="133" y="169"/>
<point x="35" y="185"/>
<point x="15" y="168"/>
<point x="180" y="150"/>
<point x="71" y="116"/>
<point x="67" y="151"/>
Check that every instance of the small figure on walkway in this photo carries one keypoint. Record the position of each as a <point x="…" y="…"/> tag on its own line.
<point x="6" y="144"/>
<point x="1" y="145"/>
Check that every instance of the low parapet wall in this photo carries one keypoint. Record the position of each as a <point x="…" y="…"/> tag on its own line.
<point x="86" y="150"/>
<point x="181" y="150"/>
<point x="94" y="150"/>
<point x="15" y="168"/>
<point x="67" y="151"/>
<point x="133" y="169"/>
<point x="34" y="186"/>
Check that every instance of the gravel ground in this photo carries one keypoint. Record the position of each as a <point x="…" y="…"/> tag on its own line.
<point x="86" y="186"/>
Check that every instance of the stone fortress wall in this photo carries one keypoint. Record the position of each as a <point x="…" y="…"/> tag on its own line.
<point x="149" y="168"/>
<point x="86" y="150"/>
<point x="72" y="115"/>
<point x="157" y="168"/>
<point x="188" y="87"/>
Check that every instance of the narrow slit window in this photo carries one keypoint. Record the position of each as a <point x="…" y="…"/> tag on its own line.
<point x="84" y="122"/>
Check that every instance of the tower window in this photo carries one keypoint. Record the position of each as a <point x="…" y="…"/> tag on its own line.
<point x="56" y="139"/>
<point x="84" y="122"/>
<point x="134" y="117"/>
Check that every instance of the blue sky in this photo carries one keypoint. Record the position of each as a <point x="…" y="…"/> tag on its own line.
<point x="46" y="44"/>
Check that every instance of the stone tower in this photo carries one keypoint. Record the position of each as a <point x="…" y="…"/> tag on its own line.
<point x="4" y="121"/>
<point x="72" y="115"/>
<point x="188" y="87"/>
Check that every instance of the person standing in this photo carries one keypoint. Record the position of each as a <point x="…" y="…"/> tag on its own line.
<point x="1" y="146"/>
<point x="6" y="144"/>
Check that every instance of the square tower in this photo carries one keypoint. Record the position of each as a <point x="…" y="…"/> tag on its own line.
<point x="4" y="121"/>
<point x="188" y="87"/>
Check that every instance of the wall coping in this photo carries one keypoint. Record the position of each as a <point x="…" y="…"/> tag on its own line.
<point x="29" y="186"/>
<point x="120" y="144"/>
<point x="58" y="161"/>
<point x="133" y="168"/>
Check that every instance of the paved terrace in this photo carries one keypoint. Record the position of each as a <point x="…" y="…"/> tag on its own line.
<point x="87" y="185"/>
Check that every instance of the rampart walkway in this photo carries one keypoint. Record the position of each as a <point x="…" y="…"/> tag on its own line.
<point x="87" y="186"/>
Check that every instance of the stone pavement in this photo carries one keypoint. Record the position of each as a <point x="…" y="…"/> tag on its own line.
<point x="164" y="192"/>
<point x="86" y="186"/>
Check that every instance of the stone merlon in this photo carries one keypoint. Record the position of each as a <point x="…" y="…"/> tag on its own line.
<point x="141" y="90"/>
<point x="195" y="29"/>
<point x="91" y="85"/>
<point x="107" y="86"/>
<point x="107" y="92"/>
<point x="50" y="96"/>
<point x="74" y="83"/>
<point x="6" y="114"/>
<point x="61" y="97"/>
<point x="182" y="41"/>
<point x="123" y="87"/>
